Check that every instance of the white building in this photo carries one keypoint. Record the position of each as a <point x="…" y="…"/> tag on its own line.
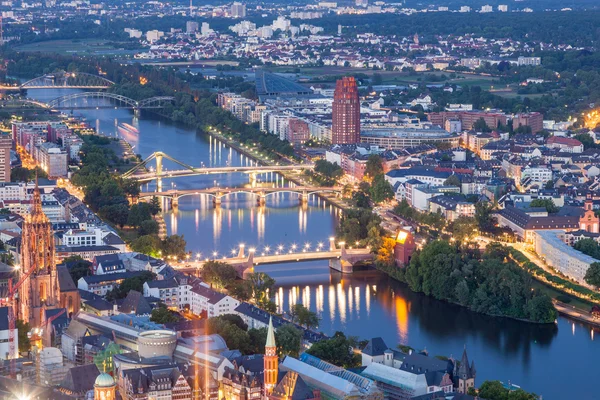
<point x="4" y="334"/>
<point x="213" y="303"/>
<point x="550" y="247"/>
<point x="487" y="9"/>
<point x="529" y="61"/>
<point x="81" y="237"/>
<point x="52" y="159"/>
<point x="502" y="8"/>
<point x="166" y="290"/>
<point x="154" y="35"/>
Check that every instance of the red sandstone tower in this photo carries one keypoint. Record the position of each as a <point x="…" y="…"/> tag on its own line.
<point x="40" y="290"/>
<point x="345" y="112"/>
<point x="271" y="361"/>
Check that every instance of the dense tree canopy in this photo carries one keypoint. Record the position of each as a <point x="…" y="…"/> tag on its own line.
<point x="492" y="284"/>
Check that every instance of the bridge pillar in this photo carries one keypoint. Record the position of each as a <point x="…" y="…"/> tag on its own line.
<point x="217" y="200"/>
<point x="341" y="265"/>
<point x="136" y="112"/>
<point x="332" y="244"/>
<point x="241" y="253"/>
<point x="262" y="199"/>
<point x="159" y="158"/>
<point x="248" y="266"/>
<point x="175" y="203"/>
<point x="253" y="178"/>
<point x="304" y="197"/>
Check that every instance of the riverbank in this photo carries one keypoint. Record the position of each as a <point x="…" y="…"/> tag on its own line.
<point x="251" y="153"/>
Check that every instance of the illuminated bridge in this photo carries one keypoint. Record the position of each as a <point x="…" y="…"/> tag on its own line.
<point x="140" y="173"/>
<point x="261" y="193"/>
<point x="340" y="258"/>
<point x="91" y="100"/>
<point x="63" y="80"/>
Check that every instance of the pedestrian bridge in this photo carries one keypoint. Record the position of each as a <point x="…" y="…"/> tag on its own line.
<point x="140" y="172"/>
<point x="340" y="258"/>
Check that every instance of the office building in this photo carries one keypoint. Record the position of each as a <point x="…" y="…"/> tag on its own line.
<point x="5" y="146"/>
<point x="345" y="127"/>
<point x="191" y="27"/>
<point x="52" y="159"/>
<point x="238" y="10"/>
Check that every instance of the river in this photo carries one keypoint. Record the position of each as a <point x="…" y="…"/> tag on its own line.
<point x="556" y="361"/>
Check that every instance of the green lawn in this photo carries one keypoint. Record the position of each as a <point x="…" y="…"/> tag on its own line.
<point x="553" y="293"/>
<point x="328" y="74"/>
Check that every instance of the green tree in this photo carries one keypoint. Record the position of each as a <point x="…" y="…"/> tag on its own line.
<point x="78" y="267"/>
<point x="453" y="180"/>
<point x="484" y="217"/>
<point x="289" y="340"/>
<point x="138" y="213"/>
<point x="116" y="213"/>
<point x="241" y="290"/>
<point x="148" y="227"/>
<point x="128" y="284"/>
<point x="587" y="141"/>
<point x="304" y="316"/>
<point x="174" y="245"/>
<point x="147" y="244"/>
<point x="258" y="340"/>
<point x="481" y="126"/>
<point x="463" y="228"/>
<point x="219" y="273"/>
<point x="588" y="246"/>
<point x="592" y="275"/>
<point x="381" y="190"/>
<point x="494" y="390"/>
<point x="234" y="336"/>
<point x="154" y="205"/>
<point x="541" y="309"/>
<point x="385" y="253"/>
<point x="374" y="166"/>
<point x="162" y="315"/>
<point x="548" y="204"/>
<point x="261" y="284"/>
<point x="23" y="329"/>
<point x="336" y="350"/>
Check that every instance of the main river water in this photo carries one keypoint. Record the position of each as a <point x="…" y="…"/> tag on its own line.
<point x="557" y="361"/>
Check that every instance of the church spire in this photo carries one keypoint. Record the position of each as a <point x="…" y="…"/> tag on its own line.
<point x="270" y="335"/>
<point x="37" y="198"/>
<point x="271" y="361"/>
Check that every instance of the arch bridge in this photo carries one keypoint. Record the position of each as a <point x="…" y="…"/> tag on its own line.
<point x="261" y="193"/>
<point x="64" y="80"/>
<point x="117" y="100"/>
<point x="141" y="173"/>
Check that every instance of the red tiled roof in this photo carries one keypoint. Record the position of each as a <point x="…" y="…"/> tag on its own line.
<point x="564" y="140"/>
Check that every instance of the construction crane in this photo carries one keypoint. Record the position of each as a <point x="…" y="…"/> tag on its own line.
<point x="39" y="331"/>
<point x="12" y="323"/>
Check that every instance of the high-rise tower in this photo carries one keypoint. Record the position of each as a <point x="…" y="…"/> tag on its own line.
<point x="271" y="361"/>
<point x="40" y="290"/>
<point x="345" y="128"/>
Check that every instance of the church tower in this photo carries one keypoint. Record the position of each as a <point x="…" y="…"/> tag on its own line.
<point x="465" y="374"/>
<point x="271" y="361"/>
<point x="40" y="290"/>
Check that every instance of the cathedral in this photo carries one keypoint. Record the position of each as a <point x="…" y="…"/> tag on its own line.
<point x="41" y="289"/>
